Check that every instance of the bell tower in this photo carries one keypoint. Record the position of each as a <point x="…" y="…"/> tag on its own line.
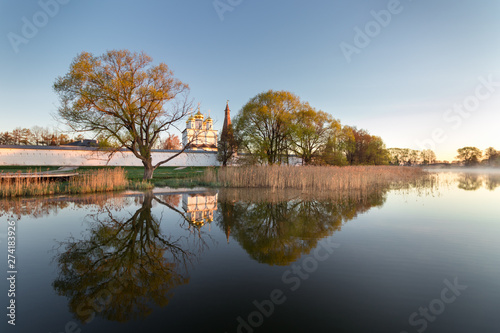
<point x="227" y="119"/>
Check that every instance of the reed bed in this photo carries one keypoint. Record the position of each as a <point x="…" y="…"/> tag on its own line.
<point x="313" y="178"/>
<point x="87" y="182"/>
<point x="101" y="180"/>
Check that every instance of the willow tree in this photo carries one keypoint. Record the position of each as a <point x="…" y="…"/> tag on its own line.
<point x="310" y="132"/>
<point x="122" y="96"/>
<point x="263" y="125"/>
<point x="492" y="155"/>
<point x="469" y="155"/>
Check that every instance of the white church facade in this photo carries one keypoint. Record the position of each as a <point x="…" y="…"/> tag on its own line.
<point x="199" y="133"/>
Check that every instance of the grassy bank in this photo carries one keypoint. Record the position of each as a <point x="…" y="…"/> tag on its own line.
<point x="311" y="178"/>
<point x="163" y="176"/>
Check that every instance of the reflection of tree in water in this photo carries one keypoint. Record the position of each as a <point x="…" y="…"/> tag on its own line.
<point x="475" y="181"/>
<point x="128" y="261"/>
<point x="278" y="232"/>
<point x="492" y="181"/>
<point x="470" y="182"/>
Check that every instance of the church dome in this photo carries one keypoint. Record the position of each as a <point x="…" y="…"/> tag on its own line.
<point x="198" y="115"/>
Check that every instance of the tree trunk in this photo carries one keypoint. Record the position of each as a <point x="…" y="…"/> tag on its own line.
<point x="148" y="170"/>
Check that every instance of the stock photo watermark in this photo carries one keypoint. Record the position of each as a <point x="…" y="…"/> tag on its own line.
<point x="456" y="115"/>
<point x="223" y="6"/>
<point x="364" y="36"/>
<point x="11" y="271"/>
<point x="91" y="306"/>
<point x="428" y="314"/>
<point x="292" y="278"/>
<point x="32" y="25"/>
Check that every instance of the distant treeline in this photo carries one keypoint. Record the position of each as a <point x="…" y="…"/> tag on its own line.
<point x="474" y="156"/>
<point x="38" y="136"/>
<point x="406" y="156"/>
<point x="468" y="156"/>
<point x="276" y="124"/>
<point x="44" y="136"/>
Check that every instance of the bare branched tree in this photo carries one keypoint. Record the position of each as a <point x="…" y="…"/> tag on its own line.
<point x="122" y="96"/>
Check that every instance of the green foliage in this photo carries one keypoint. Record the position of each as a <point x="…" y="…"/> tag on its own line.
<point x="275" y="124"/>
<point x="105" y="142"/>
<point x="405" y="156"/>
<point x="263" y="125"/>
<point x="427" y="156"/>
<point x="333" y="154"/>
<point x="310" y="132"/>
<point x="361" y="148"/>
<point x="469" y="155"/>
<point x="492" y="156"/>
<point x="227" y="146"/>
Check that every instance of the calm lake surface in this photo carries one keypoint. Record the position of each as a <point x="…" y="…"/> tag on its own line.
<point x="421" y="259"/>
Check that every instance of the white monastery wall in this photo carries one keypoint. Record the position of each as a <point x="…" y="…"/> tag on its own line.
<point x="74" y="156"/>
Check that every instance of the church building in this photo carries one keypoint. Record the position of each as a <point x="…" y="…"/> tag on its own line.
<point x="199" y="133"/>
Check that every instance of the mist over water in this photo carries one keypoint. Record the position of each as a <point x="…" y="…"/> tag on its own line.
<point x="475" y="170"/>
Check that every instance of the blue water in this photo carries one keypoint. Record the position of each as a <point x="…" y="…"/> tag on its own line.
<point x="416" y="260"/>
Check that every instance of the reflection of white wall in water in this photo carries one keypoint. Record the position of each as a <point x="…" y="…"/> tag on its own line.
<point x="199" y="207"/>
<point x="75" y="156"/>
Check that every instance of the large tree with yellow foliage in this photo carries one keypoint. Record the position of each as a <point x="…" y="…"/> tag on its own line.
<point x="125" y="98"/>
<point x="263" y="125"/>
<point x="310" y="132"/>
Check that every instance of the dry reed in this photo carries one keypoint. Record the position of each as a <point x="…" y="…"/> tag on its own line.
<point x="88" y="182"/>
<point x="312" y="178"/>
<point x="101" y="180"/>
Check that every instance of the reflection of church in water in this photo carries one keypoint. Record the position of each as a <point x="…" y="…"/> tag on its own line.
<point x="199" y="207"/>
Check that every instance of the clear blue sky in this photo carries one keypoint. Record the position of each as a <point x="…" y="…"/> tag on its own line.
<point x="400" y="86"/>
